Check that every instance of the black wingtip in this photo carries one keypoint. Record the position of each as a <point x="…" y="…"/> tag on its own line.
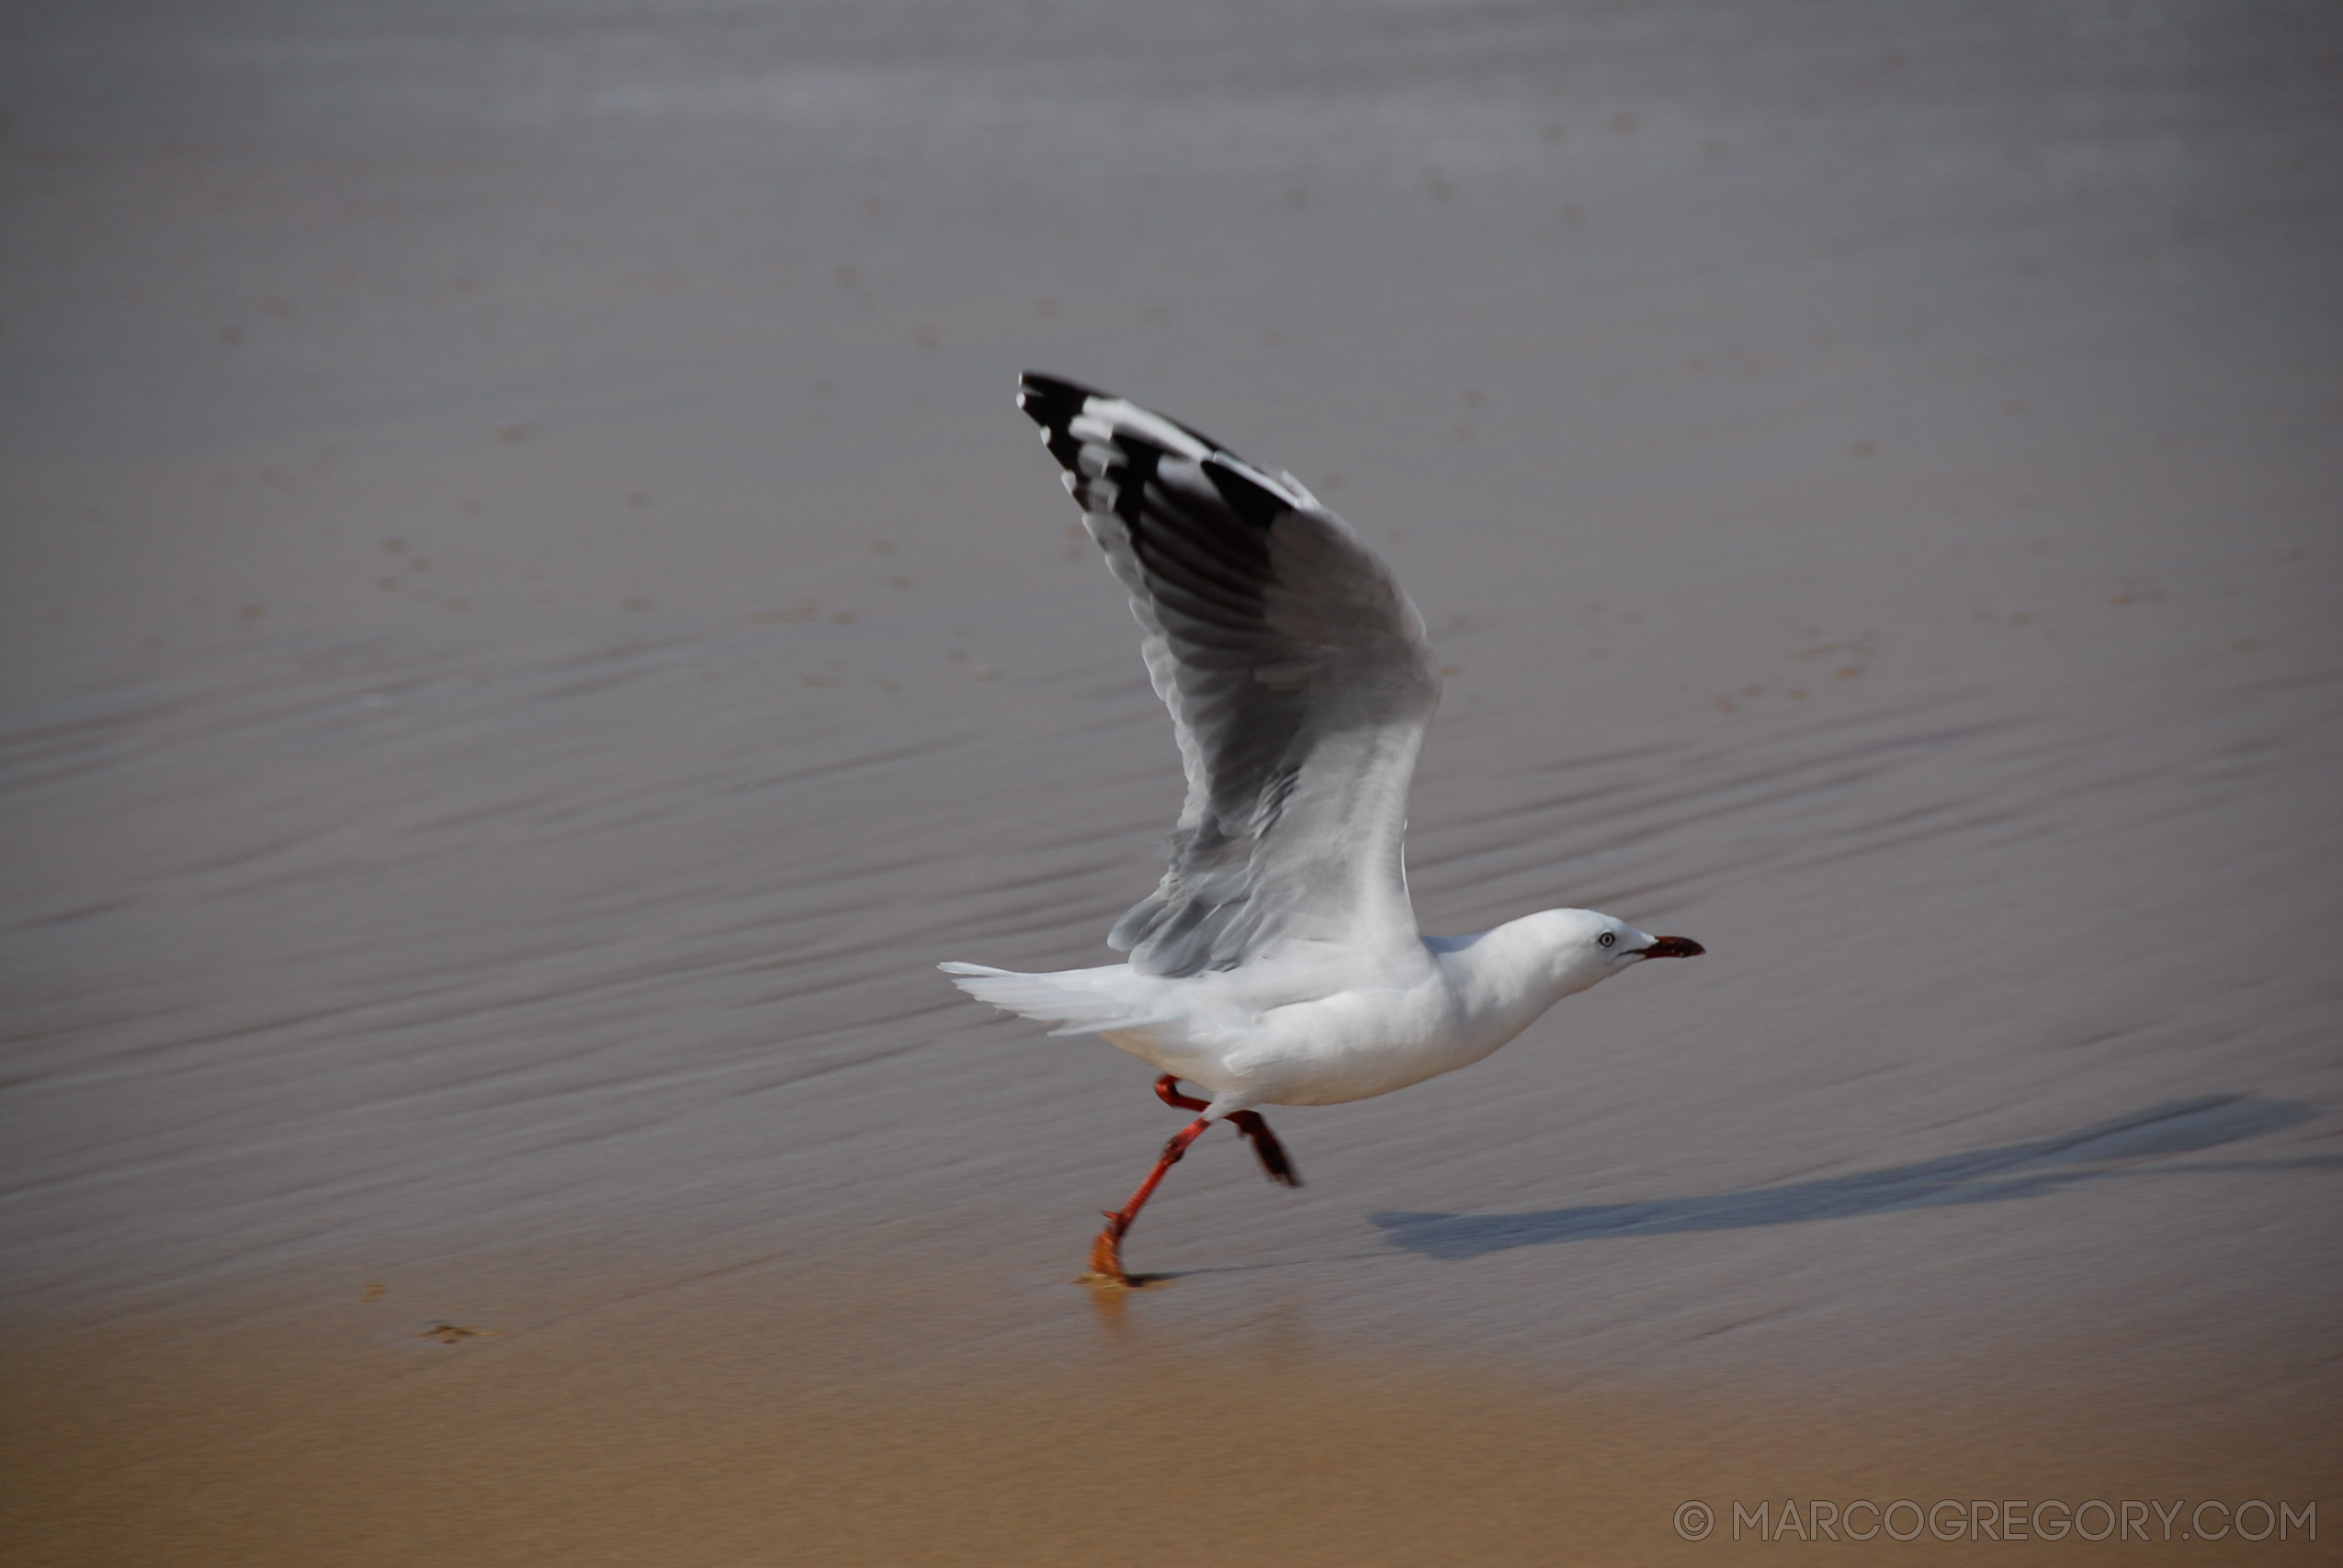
<point x="1053" y="404"/>
<point x="1048" y="401"/>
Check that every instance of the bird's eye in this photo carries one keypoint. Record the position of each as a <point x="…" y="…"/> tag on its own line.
<point x="1606" y="939"/>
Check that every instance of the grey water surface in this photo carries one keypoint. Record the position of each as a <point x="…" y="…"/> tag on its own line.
<point x="532" y="622"/>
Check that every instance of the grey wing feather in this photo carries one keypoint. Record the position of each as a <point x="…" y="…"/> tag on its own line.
<point x="1297" y="677"/>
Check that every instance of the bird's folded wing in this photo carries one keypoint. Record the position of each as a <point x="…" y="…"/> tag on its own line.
<point x="1298" y="676"/>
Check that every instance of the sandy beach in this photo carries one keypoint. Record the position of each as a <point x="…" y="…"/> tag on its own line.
<point x="532" y="622"/>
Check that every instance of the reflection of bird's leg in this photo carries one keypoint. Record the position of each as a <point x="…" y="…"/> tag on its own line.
<point x="1249" y="1123"/>
<point x="1107" y="1252"/>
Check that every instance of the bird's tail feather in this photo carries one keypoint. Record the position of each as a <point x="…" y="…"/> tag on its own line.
<point x="1078" y="1002"/>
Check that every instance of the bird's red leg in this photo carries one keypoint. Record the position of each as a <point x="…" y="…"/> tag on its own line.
<point x="1249" y="1123"/>
<point x="1167" y="1090"/>
<point x="1107" y="1252"/>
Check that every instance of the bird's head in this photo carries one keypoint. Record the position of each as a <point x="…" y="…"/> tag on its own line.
<point x="1584" y="947"/>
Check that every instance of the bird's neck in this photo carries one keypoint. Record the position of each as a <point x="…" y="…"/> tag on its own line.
<point x="1506" y="977"/>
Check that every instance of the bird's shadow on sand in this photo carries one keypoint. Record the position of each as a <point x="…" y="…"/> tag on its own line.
<point x="1980" y="1176"/>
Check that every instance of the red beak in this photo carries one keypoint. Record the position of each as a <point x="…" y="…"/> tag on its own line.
<point x="1674" y="947"/>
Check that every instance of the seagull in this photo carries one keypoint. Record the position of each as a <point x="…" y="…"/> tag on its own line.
<point x="1278" y="962"/>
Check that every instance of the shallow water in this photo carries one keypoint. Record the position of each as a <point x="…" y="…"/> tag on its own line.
<point x="533" y="620"/>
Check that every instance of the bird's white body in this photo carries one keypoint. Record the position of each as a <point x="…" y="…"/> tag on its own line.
<point x="1319" y="1025"/>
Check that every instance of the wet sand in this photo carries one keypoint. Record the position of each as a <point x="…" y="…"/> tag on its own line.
<point x="533" y="620"/>
<point x="677" y="1427"/>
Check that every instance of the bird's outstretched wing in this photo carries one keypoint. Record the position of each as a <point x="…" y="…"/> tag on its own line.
<point x="1297" y="674"/>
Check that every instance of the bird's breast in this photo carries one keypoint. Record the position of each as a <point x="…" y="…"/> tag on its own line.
<point x="1357" y="1045"/>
